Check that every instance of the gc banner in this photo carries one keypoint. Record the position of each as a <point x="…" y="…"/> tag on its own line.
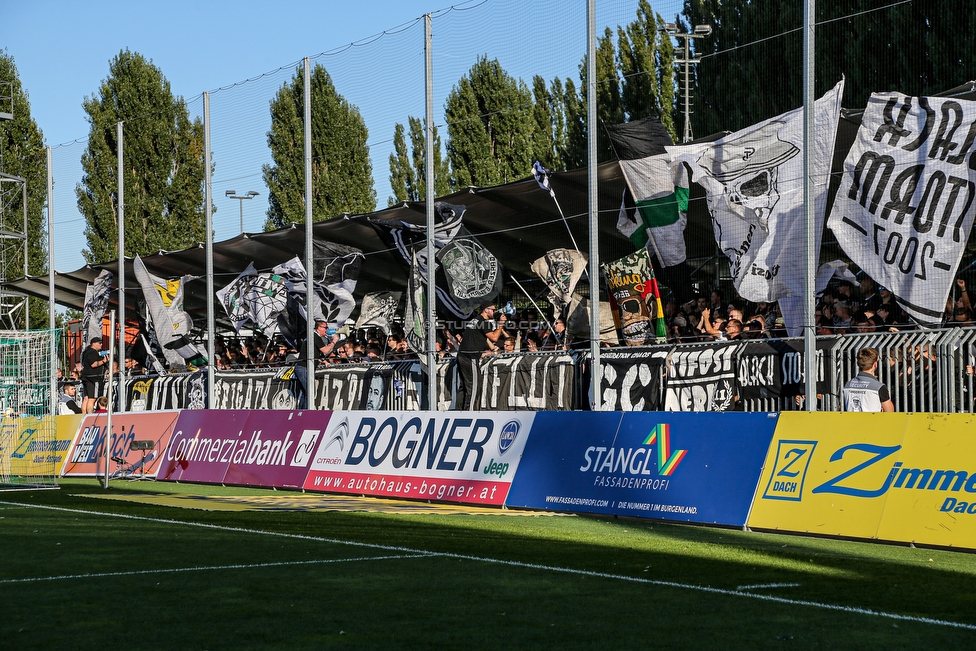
<point x="663" y="466"/>
<point x="632" y="380"/>
<point x="906" y="201"/>
<point x="466" y="457"/>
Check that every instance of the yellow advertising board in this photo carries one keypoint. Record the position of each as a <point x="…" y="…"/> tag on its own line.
<point x="897" y="477"/>
<point x="932" y="498"/>
<point x="34" y="448"/>
<point x="826" y="473"/>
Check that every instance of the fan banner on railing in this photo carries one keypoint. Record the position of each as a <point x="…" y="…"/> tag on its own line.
<point x="775" y="368"/>
<point x="378" y="310"/>
<point x="904" y="209"/>
<point x="96" y="300"/>
<point x="632" y="380"/>
<point x="172" y="325"/>
<point x="560" y="270"/>
<point x="635" y="299"/>
<point x="517" y="382"/>
<point x="753" y="180"/>
<point x="660" y="189"/>
<point x="701" y="379"/>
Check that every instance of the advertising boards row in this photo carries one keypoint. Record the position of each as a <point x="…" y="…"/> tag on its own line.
<point x="893" y="477"/>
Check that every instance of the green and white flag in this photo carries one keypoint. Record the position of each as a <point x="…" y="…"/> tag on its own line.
<point x="660" y="189"/>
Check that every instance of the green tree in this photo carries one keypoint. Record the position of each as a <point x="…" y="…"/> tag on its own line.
<point x="549" y="134"/>
<point x="645" y="60"/>
<point x="163" y="164"/>
<point x="22" y="155"/>
<point x="490" y="127"/>
<point x="342" y="174"/>
<point x="408" y="171"/>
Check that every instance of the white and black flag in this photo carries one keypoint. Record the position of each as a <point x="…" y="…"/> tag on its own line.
<point x="753" y="180"/>
<point x="560" y="270"/>
<point x="378" y="310"/>
<point x="334" y="277"/>
<point x="96" y="300"/>
<point x="904" y="209"/>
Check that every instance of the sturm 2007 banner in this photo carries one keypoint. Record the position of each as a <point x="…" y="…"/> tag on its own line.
<point x="684" y="467"/>
<point x="905" y="204"/>
<point x="466" y="457"/>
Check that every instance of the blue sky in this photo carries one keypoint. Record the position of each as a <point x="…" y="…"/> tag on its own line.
<point x="62" y="50"/>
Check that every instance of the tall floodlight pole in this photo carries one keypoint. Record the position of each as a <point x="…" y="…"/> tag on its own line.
<point x="701" y="31"/>
<point x="809" y="208"/>
<point x="121" y="271"/>
<point x="310" y="317"/>
<point x="431" y="316"/>
<point x="232" y="194"/>
<point x="594" y="204"/>
<point x="208" y="211"/>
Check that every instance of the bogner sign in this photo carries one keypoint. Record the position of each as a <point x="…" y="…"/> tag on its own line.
<point x="468" y="457"/>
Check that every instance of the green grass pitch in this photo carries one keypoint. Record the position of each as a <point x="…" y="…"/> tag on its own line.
<point x="83" y="573"/>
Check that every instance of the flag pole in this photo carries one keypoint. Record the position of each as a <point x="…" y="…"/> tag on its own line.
<point x="541" y="175"/>
<point x="537" y="308"/>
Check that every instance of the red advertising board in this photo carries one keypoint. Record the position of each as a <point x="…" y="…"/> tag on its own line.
<point x="86" y="458"/>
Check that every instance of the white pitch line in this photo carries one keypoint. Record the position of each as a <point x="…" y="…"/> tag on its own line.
<point x="206" y="568"/>
<point x="566" y="570"/>
<point x="767" y="585"/>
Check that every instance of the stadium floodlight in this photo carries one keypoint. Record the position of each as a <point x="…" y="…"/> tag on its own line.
<point x="250" y="194"/>
<point x="700" y="31"/>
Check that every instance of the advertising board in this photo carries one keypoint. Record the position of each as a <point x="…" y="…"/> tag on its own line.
<point x="87" y="455"/>
<point x="694" y="467"/>
<point x="248" y="448"/>
<point x="466" y="457"/>
<point x="898" y="477"/>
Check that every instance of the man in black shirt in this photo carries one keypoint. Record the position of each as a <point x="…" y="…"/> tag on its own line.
<point x="93" y="361"/>
<point x="323" y="348"/>
<point x="480" y="335"/>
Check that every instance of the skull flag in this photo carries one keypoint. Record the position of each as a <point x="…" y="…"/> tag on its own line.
<point x="468" y="274"/>
<point x="753" y="180"/>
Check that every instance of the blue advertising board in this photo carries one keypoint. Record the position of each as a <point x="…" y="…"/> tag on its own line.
<point x="692" y="467"/>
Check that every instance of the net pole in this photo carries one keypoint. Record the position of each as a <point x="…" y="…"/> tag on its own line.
<point x="108" y="424"/>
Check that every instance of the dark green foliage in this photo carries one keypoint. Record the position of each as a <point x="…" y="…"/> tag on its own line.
<point x="753" y="65"/>
<point x="490" y="125"/>
<point x="22" y="155"/>
<point x="163" y="160"/>
<point x="342" y="174"/>
<point x="408" y="172"/>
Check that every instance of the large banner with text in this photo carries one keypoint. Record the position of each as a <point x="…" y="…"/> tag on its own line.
<point x="246" y="448"/>
<point x="699" y="467"/>
<point x="466" y="457"/>
<point x="897" y="477"/>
